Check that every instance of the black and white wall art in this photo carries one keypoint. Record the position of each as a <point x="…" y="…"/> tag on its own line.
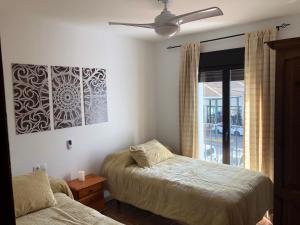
<point x="31" y="98"/>
<point x="94" y="95"/>
<point x="66" y="96"/>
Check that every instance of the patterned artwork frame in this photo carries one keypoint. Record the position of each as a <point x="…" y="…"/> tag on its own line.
<point x="66" y="96"/>
<point x="94" y="95"/>
<point x="32" y="91"/>
<point x="31" y="98"/>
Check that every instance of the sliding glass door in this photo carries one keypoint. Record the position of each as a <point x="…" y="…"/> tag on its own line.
<point x="221" y="113"/>
<point x="211" y="117"/>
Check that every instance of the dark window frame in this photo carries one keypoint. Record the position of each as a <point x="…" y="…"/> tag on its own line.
<point x="225" y="61"/>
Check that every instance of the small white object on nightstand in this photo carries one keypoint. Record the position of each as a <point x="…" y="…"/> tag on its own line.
<point x="81" y="175"/>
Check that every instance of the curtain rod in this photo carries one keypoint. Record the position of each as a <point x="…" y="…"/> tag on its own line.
<point x="284" y="25"/>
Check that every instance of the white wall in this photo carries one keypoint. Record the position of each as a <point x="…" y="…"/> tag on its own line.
<point x="130" y="71"/>
<point x="142" y="79"/>
<point x="168" y="69"/>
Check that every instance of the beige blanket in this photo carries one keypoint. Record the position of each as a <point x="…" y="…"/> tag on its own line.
<point x="191" y="191"/>
<point x="66" y="212"/>
<point x="60" y="186"/>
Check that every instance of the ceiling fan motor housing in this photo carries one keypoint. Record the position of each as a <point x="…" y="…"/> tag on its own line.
<point x="167" y="24"/>
<point x="163" y="26"/>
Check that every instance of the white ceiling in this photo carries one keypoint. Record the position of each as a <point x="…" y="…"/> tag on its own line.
<point x="97" y="13"/>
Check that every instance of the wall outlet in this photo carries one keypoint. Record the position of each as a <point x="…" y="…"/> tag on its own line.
<point x="44" y="167"/>
<point x="36" y="168"/>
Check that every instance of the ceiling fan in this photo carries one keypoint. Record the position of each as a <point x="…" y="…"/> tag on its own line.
<point x="167" y="24"/>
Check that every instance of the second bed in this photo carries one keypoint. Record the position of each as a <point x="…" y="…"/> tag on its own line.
<point x="190" y="191"/>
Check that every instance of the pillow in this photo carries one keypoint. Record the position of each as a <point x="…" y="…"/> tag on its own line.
<point x="60" y="186"/>
<point x="32" y="193"/>
<point x="150" y="153"/>
<point x="170" y="149"/>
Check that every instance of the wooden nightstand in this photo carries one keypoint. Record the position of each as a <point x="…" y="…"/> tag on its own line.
<point x="89" y="192"/>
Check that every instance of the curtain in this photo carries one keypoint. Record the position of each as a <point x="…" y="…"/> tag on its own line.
<point x="188" y="101"/>
<point x="259" y="102"/>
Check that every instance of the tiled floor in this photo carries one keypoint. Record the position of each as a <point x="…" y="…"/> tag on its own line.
<point x="130" y="215"/>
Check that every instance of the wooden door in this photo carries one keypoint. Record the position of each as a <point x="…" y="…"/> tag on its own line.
<point x="287" y="133"/>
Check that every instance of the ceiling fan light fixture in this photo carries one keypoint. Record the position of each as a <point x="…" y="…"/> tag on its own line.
<point x="167" y="30"/>
<point x="167" y="24"/>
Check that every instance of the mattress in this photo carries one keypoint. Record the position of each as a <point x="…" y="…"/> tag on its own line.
<point x="66" y="212"/>
<point x="191" y="191"/>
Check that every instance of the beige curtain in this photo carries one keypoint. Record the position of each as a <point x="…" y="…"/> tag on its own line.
<point x="188" y="102"/>
<point x="259" y="102"/>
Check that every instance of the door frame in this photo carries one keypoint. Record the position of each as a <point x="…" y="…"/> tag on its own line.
<point x="224" y="60"/>
<point x="7" y="215"/>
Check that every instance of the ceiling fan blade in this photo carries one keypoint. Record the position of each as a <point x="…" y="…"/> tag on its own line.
<point x="197" y="15"/>
<point x="145" y="25"/>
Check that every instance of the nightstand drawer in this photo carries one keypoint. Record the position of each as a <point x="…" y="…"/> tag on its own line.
<point x="92" y="199"/>
<point x="89" y="190"/>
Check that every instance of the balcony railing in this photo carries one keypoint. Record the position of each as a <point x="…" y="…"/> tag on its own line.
<point x="212" y="144"/>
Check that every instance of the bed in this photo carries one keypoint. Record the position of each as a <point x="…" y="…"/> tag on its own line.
<point x="190" y="191"/>
<point x="66" y="211"/>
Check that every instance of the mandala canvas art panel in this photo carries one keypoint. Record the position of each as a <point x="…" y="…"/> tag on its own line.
<point x="66" y="96"/>
<point x="31" y="98"/>
<point x="94" y="95"/>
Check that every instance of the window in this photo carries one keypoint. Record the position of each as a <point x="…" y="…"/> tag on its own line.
<point x="221" y="106"/>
